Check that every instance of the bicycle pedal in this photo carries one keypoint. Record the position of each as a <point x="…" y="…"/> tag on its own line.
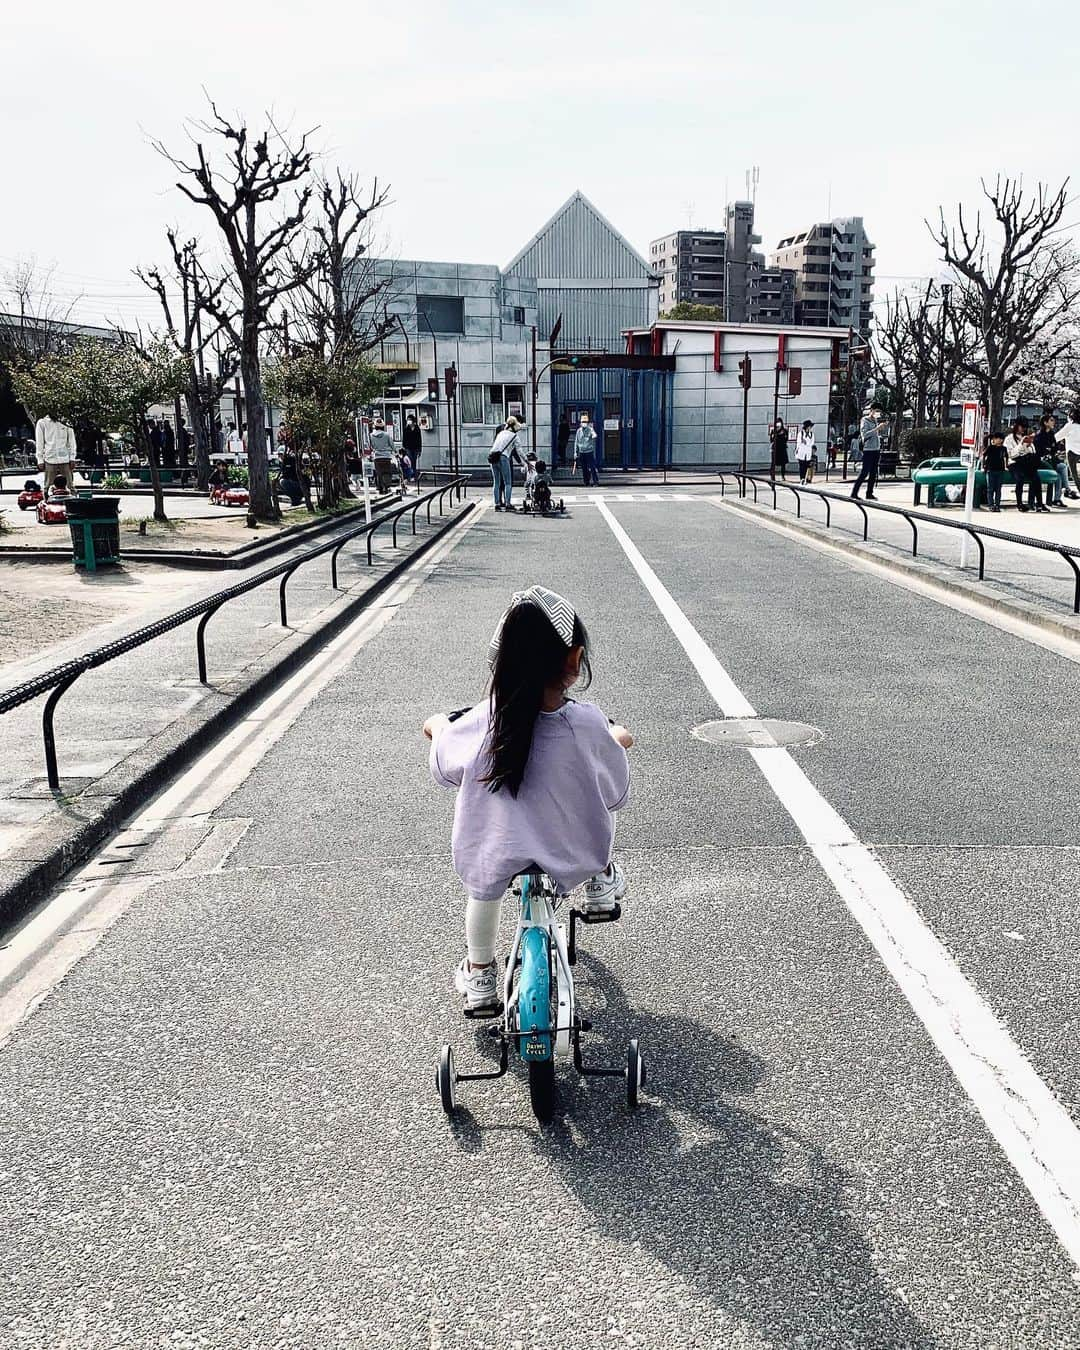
<point x="600" y="916"/>
<point x="483" y="1013"/>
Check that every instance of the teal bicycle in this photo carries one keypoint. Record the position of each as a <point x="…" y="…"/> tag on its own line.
<point x="538" y="1015"/>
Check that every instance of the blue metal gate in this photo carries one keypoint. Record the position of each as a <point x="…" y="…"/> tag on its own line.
<point x="630" y="409"/>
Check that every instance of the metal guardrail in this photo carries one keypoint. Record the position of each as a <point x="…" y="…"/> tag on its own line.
<point x="979" y="533"/>
<point x="58" y="681"/>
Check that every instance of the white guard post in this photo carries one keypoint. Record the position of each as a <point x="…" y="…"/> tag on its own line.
<point x="364" y="477"/>
<point x="970" y="444"/>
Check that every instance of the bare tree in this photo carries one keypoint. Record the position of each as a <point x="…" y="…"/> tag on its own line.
<point x="894" y="356"/>
<point x="259" y="200"/>
<point x="1013" y="289"/>
<point x="186" y="281"/>
<point x="34" y="324"/>
<point x="335" y="316"/>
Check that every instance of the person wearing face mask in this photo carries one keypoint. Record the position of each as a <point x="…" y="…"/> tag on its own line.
<point x="585" y="452"/>
<point x="778" y="438"/>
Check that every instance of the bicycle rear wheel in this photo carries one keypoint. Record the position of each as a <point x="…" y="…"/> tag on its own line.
<point x="542" y="1089"/>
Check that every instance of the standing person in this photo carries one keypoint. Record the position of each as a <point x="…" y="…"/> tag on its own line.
<point x="412" y="443"/>
<point x="778" y="439"/>
<point x="382" y="454"/>
<point x="805" y="450"/>
<point x="168" y="445"/>
<point x="994" y="466"/>
<point x="1046" y="448"/>
<point x="870" y="443"/>
<point x="157" y="438"/>
<point x="234" y="442"/>
<point x="55" y="444"/>
<point x="585" y="451"/>
<point x="563" y="439"/>
<point x="1024" y="463"/>
<point x="1070" y="436"/>
<point x="504" y="450"/>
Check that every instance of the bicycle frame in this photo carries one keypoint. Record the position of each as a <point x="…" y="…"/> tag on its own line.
<point x="531" y="998"/>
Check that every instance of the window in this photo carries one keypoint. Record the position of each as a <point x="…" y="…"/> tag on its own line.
<point x="443" y="313"/>
<point x="519" y="314"/>
<point x="490" y="404"/>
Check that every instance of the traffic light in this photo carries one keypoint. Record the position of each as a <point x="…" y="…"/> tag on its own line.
<point x="794" y="381"/>
<point x="744" y="372"/>
<point x="433" y="388"/>
<point x="450" y="379"/>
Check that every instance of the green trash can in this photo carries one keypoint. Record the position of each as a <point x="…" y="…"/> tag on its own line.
<point x="94" y="523"/>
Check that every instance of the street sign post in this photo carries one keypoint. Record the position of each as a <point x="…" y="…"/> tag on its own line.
<point x="970" y="445"/>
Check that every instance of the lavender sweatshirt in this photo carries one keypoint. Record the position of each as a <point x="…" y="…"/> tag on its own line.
<point x="563" y="818"/>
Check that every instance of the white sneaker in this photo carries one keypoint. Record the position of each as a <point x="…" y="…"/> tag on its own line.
<point x="604" y="890"/>
<point x="478" y="986"/>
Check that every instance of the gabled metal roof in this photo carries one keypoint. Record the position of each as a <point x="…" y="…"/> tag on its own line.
<point x="578" y="241"/>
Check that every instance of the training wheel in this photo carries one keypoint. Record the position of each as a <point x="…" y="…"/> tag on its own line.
<point x="635" y="1074"/>
<point x="444" y="1079"/>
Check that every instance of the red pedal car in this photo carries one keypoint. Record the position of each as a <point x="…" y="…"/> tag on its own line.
<point x="52" y="513"/>
<point x="229" y="496"/>
<point x="30" y="495"/>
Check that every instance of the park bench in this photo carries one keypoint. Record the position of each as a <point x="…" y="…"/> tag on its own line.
<point x="936" y="474"/>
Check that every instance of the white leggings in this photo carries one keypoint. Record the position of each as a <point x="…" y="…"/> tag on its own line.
<point x="482" y="929"/>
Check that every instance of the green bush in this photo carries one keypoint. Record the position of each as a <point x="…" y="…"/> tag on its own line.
<point x="929" y="443"/>
<point x="236" y="475"/>
<point x="115" y="482"/>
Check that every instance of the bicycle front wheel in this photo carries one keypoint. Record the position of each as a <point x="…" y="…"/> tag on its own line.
<point x="542" y="1089"/>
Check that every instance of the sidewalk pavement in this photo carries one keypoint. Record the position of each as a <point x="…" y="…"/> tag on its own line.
<point x="106" y="722"/>
<point x="1039" y="582"/>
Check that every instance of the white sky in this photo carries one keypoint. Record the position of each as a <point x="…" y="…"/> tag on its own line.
<point x="484" y="117"/>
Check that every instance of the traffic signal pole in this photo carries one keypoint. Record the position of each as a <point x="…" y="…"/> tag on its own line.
<point x="775" y="414"/>
<point x="744" y="380"/>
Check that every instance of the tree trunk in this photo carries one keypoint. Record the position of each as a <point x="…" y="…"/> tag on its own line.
<point x="142" y="439"/>
<point x="197" y="430"/>
<point x="263" y="506"/>
<point x="995" y="392"/>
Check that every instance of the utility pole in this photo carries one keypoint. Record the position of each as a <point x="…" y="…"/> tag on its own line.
<point x="775" y="414"/>
<point x="849" y="398"/>
<point x="943" y="412"/>
<point x="532" y="382"/>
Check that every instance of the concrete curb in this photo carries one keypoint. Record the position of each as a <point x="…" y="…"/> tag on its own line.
<point x="932" y="574"/>
<point x="255" y="550"/>
<point x="51" y="850"/>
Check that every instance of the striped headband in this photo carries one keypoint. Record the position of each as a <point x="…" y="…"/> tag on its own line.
<point x="559" y="611"/>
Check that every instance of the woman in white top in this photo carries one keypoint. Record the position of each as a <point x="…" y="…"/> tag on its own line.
<point x="805" y="450"/>
<point x="1024" y="463"/>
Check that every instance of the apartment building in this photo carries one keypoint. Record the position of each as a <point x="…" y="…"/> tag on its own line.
<point x="833" y="263"/>
<point x="771" y="295"/>
<point x="709" y="267"/>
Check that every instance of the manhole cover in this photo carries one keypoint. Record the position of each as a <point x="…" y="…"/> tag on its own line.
<point x="756" y="733"/>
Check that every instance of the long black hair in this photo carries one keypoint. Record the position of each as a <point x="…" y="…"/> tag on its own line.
<point x="530" y="660"/>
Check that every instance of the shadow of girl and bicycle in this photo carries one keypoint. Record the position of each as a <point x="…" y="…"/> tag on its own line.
<point x="748" y="1212"/>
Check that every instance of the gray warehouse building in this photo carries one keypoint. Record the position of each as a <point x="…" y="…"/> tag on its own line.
<point x="585" y="271"/>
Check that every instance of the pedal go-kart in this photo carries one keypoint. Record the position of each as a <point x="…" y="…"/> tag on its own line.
<point x="52" y="512"/>
<point x="538" y="1016"/>
<point x="543" y="505"/>
<point x="30" y="496"/>
<point x="228" y="495"/>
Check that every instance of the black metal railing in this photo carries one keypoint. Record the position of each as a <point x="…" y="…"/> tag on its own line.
<point x="1069" y="552"/>
<point x="58" y="681"/>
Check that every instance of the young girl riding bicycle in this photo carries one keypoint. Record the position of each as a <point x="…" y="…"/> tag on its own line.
<point x="539" y="778"/>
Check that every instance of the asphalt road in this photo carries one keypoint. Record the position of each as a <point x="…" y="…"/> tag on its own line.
<point x="221" y="1130"/>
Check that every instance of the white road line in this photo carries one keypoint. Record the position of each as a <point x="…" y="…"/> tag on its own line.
<point x="41" y="953"/>
<point x="1033" y="1129"/>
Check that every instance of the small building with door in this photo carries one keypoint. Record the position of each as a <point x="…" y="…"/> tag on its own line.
<point x="791" y="372"/>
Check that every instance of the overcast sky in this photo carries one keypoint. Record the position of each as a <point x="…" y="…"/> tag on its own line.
<point x="484" y="117"/>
